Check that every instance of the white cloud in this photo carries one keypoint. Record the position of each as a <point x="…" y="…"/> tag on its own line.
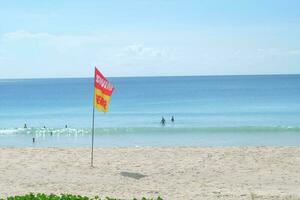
<point x="277" y="52"/>
<point x="21" y="34"/>
<point x="116" y="53"/>
<point x="294" y="52"/>
<point x="104" y="43"/>
<point x="61" y="41"/>
<point x="142" y="51"/>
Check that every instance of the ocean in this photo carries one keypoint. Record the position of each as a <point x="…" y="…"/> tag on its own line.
<point x="262" y="110"/>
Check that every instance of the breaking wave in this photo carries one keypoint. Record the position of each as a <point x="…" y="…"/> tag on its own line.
<point x="151" y="130"/>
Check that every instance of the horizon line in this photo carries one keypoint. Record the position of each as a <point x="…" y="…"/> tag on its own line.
<point x="151" y="76"/>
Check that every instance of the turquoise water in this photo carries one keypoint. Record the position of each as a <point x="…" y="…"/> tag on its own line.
<point x="208" y="111"/>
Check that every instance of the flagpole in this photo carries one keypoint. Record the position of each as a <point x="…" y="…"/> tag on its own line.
<point x="93" y="131"/>
<point x="105" y="89"/>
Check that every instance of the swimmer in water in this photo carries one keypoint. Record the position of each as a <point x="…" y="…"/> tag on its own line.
<point x="163" y="121"/>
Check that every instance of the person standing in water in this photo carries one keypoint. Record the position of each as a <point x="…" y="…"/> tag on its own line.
<point x="172" y="119"/>
<point x="163" y="121"/>
<point x="25" y="125"/>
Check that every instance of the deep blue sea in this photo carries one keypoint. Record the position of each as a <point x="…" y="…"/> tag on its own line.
<point x="259" y="110"/>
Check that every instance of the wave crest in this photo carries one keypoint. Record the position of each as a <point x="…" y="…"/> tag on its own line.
<point x="152" y="130"/>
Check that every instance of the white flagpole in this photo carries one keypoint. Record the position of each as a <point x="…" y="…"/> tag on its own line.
<point x="93" y="130"/>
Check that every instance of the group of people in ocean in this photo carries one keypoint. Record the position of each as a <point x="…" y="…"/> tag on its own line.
<point x="163" y="121"/>
<point x="25" y="126"/>
<point x="51" y="133"/>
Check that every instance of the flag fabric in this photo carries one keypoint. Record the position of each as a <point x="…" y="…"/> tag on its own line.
<point x="102" y="91"/>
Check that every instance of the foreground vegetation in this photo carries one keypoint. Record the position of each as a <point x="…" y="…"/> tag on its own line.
<point x="42" y="196"/>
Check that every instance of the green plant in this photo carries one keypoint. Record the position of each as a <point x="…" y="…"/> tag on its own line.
<point x="42" y="196"/>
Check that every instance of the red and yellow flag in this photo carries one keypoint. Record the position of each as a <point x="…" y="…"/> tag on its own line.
<point x="102" y="91"/>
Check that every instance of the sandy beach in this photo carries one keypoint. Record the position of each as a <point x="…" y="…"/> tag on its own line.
<point x="172" y="173"/>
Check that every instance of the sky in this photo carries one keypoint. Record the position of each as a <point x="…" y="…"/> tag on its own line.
<point x="62" y="38"/>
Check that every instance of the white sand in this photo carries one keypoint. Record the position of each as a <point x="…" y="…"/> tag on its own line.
<point x="172" y="173"/>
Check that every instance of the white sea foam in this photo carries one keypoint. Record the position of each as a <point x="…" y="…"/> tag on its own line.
<point x="148" y="130"/>
<point x="11" y="131"/>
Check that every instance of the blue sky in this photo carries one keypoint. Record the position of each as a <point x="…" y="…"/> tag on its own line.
<point x="59" y="38"/>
